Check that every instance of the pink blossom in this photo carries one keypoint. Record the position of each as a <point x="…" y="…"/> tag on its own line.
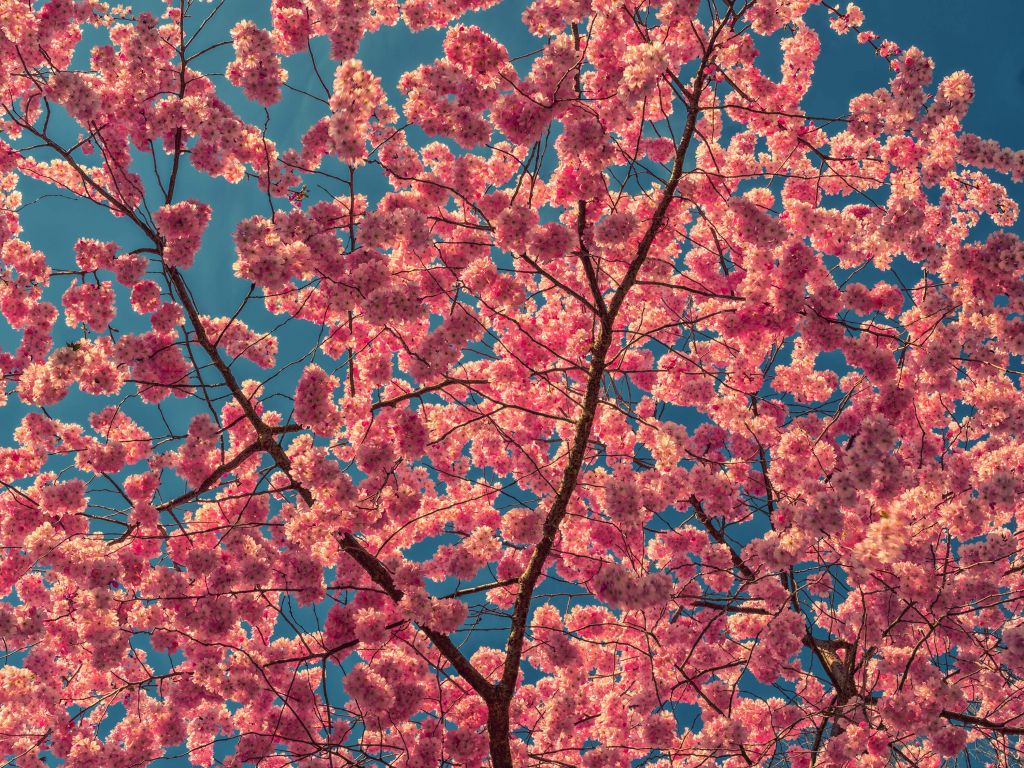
<point x="182" y="225"/>
<point x="256" y="68"/>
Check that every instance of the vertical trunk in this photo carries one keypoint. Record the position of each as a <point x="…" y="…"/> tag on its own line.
<point x="498" y="733"/>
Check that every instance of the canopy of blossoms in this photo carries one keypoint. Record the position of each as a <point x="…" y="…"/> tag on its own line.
<point x="586" y="404"/>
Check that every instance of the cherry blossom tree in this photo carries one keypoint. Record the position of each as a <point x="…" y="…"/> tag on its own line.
<point x="589" y="404"/>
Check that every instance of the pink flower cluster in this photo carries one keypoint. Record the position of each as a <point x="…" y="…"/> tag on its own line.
<point x="182" y="225"/>
<point x="89" y="303"/>
<point x="91" y="255"/>
<point x="156" y="364"/>
<point x="621" y="587"/>
<point x="985" y="153"/>
<point x="440" y="349"/>
<point x="262" y="257"/>
<point x="357" y="93"/>
<point x="314" y="401"/>
<point x="238" y="340"/>
<point x="256" y="68"/>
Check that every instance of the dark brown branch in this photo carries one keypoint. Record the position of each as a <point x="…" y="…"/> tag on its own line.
<point x="498" y="711"/>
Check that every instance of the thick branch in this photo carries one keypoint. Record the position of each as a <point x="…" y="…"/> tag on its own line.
<point x="351" y="546"/>
<point x="498" y="723"/>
